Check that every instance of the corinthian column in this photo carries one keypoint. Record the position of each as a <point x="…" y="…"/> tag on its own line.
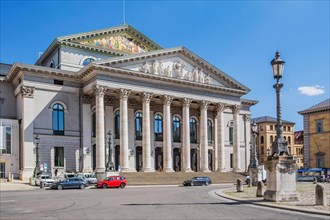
<point x="203" y="138"/>
<point x="146" y="145"/>
<point x="220" y="137"/>
<point x="167" y="142"/>
<point x="123" y="96"/>
<point x="236" y="144"/>
<point x="100" y="150"/>
<point x="186" y="134"/>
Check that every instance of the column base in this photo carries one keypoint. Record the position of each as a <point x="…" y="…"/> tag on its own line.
<point x="222" y="170"/>
<point x="188" y="170"/>
<point x="148" y="170"/>
<point x="128" y="170"/>
<point x="206" y="171"/>
<point x="237" y="170"/>
<point x="168" y="170"/>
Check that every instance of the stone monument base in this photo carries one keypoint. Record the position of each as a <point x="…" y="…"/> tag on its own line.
<point x="254" y="175"/>
<point x="281" y="179"/>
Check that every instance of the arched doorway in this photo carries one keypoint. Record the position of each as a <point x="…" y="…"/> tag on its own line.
<point x="177" y="159"/>
<point x="138" y="159"/>
<point x="94" y="157"/>
<point x="117" y="156"/>
<point x="158" y="159"/>
<point x="193" y="159"/>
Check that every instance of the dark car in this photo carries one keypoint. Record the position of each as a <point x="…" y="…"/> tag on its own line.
<point x="70" y="183"/>
<point x="112" y="181"/>
<point x="198" y="181"/>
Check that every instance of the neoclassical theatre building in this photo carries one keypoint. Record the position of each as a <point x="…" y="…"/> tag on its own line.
<point x="115" y="95"/>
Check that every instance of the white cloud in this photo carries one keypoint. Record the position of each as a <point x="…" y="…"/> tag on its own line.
<point x="311" y="90"/>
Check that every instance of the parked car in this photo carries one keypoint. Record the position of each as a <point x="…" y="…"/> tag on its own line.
<point x="63" y="176"/>
<point x="198" y="181"/>
<point x="305" y="178"/>
<point x="70" y="183"/>
<point x="112" y="181"/>
<point x="45" y="179"/>
<point x="90" y="177"/>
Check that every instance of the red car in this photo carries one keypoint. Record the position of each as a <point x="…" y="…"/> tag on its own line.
<point x="112" y="181"/>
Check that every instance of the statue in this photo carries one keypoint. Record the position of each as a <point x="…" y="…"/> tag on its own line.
<point x="155" y="65"/>
<point x="167" y="72"/>
<point x="160" y="68"/>
<point x="201" y="76"/>
<point x="207" y="79"/>
<point x="196" y="74"/>
<point x="146" y="68"/>
<point x="178" y="69"/>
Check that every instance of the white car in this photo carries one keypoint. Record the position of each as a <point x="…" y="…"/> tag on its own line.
<point x="46" y="179"/>
<point x="90" y="177"/>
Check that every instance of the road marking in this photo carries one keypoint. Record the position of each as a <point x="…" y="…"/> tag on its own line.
<point x="8" y="201"/>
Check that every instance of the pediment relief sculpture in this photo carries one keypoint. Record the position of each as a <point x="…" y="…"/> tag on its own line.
<point x="175" y="70"/>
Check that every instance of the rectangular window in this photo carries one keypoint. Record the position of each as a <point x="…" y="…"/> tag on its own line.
<point x="319" y="126"/>
<point x="5" y="140"/>
<point x="59" y="156"/>
<point x="231" y="160"/>
<point x="271" y="127"/>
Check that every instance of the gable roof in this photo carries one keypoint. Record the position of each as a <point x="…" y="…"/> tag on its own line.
<point x="81" y="41"/>
<point x="180" y="51"/>
<point x="268" y="119"/>
<point x="322" y="106"/>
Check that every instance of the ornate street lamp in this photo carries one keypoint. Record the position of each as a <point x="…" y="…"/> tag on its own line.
<point x="37" y="168"/>
<point x="254" y="160"/>
<point x="280" y="145"/>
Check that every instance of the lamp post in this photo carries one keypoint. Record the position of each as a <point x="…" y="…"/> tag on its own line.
<point x="109" y="166"/>
<point x="280" y="164"/>
<point x="254" y="160"/>
<point x="280" y="145"/>
<point x="37" y="168"/>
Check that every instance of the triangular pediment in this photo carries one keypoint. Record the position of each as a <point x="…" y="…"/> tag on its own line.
<point x="123" y="39"/>
<point x="177" y="63"/>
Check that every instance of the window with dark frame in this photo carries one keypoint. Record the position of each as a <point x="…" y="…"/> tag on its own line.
<point x="138" y="126"/>
<point x="176" y="129"/>
<point x="158" y="127"/>
<point x="58" y="119"/>
<point x="193" y="130"/>
<point x="59" y="156"/>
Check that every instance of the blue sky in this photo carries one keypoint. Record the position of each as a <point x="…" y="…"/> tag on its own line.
<point x="239" y="37"/>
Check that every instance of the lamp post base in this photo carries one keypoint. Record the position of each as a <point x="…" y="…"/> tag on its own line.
<point x="281" y="179"/>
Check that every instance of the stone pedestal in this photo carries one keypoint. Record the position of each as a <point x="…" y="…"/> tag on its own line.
<point x="281" y="179"/>
<point x="255" y="175"/>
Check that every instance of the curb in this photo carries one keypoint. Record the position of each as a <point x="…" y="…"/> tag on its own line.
<point x="266" y="204"/>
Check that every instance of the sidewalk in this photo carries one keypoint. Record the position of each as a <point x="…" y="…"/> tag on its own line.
<point x="306" y="203"/>
<point x="16" y="185"/>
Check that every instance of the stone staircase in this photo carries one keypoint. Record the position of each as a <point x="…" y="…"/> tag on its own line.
<point x="176" y="178"/>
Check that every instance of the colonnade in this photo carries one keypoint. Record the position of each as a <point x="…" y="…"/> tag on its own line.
<point x="146" y="97"/>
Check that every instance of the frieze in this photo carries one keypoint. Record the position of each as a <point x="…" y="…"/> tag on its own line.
<point x="175" y="70"/>
<point x="27" y="91"/>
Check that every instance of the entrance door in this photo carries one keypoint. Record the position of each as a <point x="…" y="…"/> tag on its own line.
<point x="94" y="157"/>
<point x="176" y="159"/>
<point x="193" y="159"/>
<point x="2" y="170"/>
<point x="117" y="156"/>
<point x="138" y="159"/>
<point x="158" y="159"/>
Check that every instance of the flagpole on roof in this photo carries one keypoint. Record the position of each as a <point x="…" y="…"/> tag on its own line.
<point x="124" y="12"/>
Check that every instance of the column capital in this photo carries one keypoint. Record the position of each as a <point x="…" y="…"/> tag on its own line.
<point x="123" y="93"/>
<point x="99" y="90"/>
<point x="87" y="99"/>
<point x="186" y="102"/>
<point x="27" y="91"/>
<point x="167" y="99"/>
<point x="220" y="107"/>
<point x="146" y="96"/>
<point x="236" y="109"/>
<point x="204" y="104"/>
<point x="246" y="117"/>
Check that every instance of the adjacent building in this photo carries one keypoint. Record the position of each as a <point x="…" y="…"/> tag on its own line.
<point x="317" y="135"/>
<point x="114" y="97"/>
<point x="267" y="133"/>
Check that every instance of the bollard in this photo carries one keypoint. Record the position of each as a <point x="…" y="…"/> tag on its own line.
<point x="42" y="184"/>
<point x="260" y="189"/>
<point x="320" y="196"/>
<point x="239" y="185"/>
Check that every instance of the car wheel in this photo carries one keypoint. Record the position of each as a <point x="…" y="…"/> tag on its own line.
<point x="59" y="187"/>
<point x="191" y="184"/>
<point x="122" y="185"/>
<point x="104" y="186"/>
<point x="82" y="186"/>
<point x="206" y="183"/>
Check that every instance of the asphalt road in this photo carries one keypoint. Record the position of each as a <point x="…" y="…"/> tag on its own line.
<point x="157" y="202"/>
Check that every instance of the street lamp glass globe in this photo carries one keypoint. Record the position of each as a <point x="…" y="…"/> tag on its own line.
<point x="254" y="127"/>
<point x="277" y="65"/>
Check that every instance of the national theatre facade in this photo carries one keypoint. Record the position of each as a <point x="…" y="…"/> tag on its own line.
<point x="115" y="98"/>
